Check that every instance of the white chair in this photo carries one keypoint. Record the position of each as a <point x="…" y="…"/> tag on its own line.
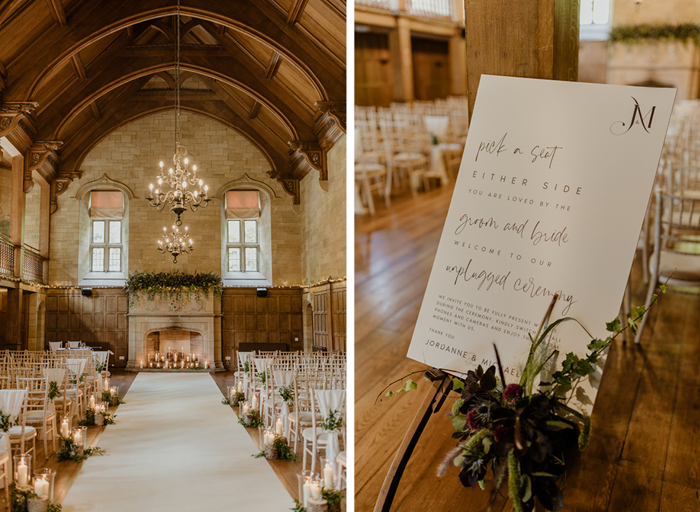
<point x="55" y="345"/>
<point x="61" y="404"/>
<point x="37" y="413"/>
<point x="5" y="452"/>
<point x="13" y="403"/>
<point x="73" y="344"/>
<point x="317" y="438"/>
<point x="341" y="470"/>
<point x="676" y="256"/>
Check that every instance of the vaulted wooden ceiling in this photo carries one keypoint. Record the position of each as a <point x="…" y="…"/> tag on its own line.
<point x="73" y="71"/>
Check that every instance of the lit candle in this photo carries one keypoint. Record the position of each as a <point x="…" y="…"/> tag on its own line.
<point x="279" y="427"/>
<point x="41" y="487"/>
<point x="78" y="437"/>
<point x="64" y="427"/>
<point x="315" y="490"/>
<point x="245" y="408"/>
<point x="328" y="476"/>
<point x="307" y="490"/>
<point x="22" y="473"/>
<point x="141" y="364"/>
<point x="113" y="391"/>
<point x="92" y="401"/>
<point x="255" y="401"/>
<point x="240" y="386"/>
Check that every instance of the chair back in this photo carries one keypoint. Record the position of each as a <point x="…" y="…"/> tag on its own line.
<point x="55" y="345"/>
<point x="73" y="344"/>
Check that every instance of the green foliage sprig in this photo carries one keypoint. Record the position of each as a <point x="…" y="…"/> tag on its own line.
<point x="255" y="420"/>
<point x="54" y="391"/>
<point x="287" y="394"/>
<point x="239" y="397"/>
<point x="109" y="418"/>
<point x="89" y="420"/>
<point x="645" y="32"/>
<point x="332" y="497"/>
<point x="298" y="507"/>
<point x="263" y="378"/>
<point x="246" y="367"/>
<point x="5" y="422"/>
<point x="333" y="421"/>
<point x="19" y="500"/>
<point x="284" y="451"/>
<point x="69" y="451"/>
<point x="173" y="285"/>
<point x="107" y="397"/>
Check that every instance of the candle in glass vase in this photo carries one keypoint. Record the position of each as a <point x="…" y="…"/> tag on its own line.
<point x="64" y="427"/>
<point x="113" y="391"/>
<point x="78" y="437"/>
<point x="307" y="490"/>
<point x="22" y="474"/>
<point x="92" y="401"/>
<point x="279" y="427"/>
<point x="255" y="401"/>
<point x="41" y="487"/>
<point x="315" y="490"/>
<point x="328" y="476"/>
<point x="141" y="364"/>
<point x="240" y="386"/>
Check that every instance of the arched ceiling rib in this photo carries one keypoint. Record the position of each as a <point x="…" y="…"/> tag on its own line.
<point x="271" y="70"/>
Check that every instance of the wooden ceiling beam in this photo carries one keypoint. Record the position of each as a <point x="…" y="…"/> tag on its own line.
<point x="79" y="68"/>
<point x="57" y="11"/>
<point x="124" y="69"/>
<point x="295" y="11"/>
<point x="93" y="20"/>
<point x="9" y="7"/>
<point x="95" y="110"/>
<point x="273" y="66"/>
<point x="169" y="95"/>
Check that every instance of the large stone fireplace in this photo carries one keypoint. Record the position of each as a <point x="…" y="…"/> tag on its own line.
<point x="172" y="323"/>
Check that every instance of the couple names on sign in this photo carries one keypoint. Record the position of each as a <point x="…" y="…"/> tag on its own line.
<point x="550" y="199"/>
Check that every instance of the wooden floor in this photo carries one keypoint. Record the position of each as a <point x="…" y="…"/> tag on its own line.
<point x="66" y="472"/>
<point x="645" y="449"/>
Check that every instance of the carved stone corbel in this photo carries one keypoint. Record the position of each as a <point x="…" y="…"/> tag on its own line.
<point x="289" y="184"/>
<point x="40" y="154"/>
<point x="305" y="156"/>
<point x="58" y="187"/>
<point x="336" y="110"/>
<point x="12" y="113"/>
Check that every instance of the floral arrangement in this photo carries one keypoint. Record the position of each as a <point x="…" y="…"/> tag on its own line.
<point x="255" y="420"/>
<point x="332" y="422"/>
<point x="173" y="285"/>
<point x="287" y="394"/>
<point x="69" y="451"/>
<point x="5" y="422"/>
<point x="638" y="33"/>
<point x="20" y="501"/>
<point x="54" y="391"/>
<point x="524" y="431"/>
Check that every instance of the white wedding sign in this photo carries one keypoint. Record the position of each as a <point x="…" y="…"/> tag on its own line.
<point x="550" y="198"/>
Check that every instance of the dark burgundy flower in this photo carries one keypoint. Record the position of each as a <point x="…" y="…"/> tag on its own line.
<point x="500" y="432"/>
<point x="513" y="393"/>
<point x="474" y="420"/>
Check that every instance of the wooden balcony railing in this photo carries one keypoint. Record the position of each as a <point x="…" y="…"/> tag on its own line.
<point x="7" y="257"/>
<point x="32" y="266"/>
<point x="430" y="8"/>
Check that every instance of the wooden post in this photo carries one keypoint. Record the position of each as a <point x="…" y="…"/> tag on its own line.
<point x="402" y="60"/>
<point x="17" y="212"/>
<point x="529" y="39"/>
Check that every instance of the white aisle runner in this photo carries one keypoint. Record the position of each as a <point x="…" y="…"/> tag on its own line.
<point x="176" y="448"/>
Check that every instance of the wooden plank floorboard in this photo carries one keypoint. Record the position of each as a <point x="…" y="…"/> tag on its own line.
<point x="645" y="449"/>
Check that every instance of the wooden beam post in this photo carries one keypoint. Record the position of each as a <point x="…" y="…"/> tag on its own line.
<point x="402" y="60"/>
<point x="17" y="211"/>
<point x="529" y="39"/>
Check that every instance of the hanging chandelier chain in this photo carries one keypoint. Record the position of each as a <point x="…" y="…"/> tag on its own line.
<point x="177" y="81"/>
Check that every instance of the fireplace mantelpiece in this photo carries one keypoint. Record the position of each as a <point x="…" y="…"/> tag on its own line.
<point x="202" y="316"/>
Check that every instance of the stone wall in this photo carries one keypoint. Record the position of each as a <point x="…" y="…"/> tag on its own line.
<point x="324" y="220"/>
<point x="131" y="155"/>
<point x="32" y="219"/>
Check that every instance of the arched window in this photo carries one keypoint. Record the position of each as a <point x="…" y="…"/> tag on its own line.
<point x="106" y="211"/>
<point x="246" y="229"/>
<point x="242" y="233"/>
<point x="103" y="247"/>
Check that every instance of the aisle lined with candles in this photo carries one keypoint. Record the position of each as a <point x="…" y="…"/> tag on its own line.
<point x="175" y="448"/>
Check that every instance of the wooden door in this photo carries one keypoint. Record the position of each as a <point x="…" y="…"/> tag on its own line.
<point x="374" y="84"/>
<point x="431" y="68"/>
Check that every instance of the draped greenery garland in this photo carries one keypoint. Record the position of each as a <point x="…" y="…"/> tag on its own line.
<point x="646" y="32"/>
<point x="173" y="285"/>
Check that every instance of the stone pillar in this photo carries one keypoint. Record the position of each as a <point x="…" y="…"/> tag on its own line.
<point x="17" y="213"/>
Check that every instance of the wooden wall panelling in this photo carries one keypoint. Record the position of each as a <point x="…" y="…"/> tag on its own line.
<point x="247" y="318"/>
<point x="339" y="313"/>
<point x="99" y="321"/>
<point x="374" y="81"/>
<point x="321" y="331"/>
<point x="431" y="68"/>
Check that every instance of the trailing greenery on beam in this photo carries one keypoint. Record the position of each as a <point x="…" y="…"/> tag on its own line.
<point x="646" y="33"/>
<point x="173" y="285"/>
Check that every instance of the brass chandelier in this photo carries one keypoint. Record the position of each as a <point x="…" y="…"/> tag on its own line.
<point x="179" y="186"/>
<point x="175" y="243"/>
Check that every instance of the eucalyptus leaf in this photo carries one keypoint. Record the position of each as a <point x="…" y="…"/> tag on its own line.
<point x="525" y="488"/>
